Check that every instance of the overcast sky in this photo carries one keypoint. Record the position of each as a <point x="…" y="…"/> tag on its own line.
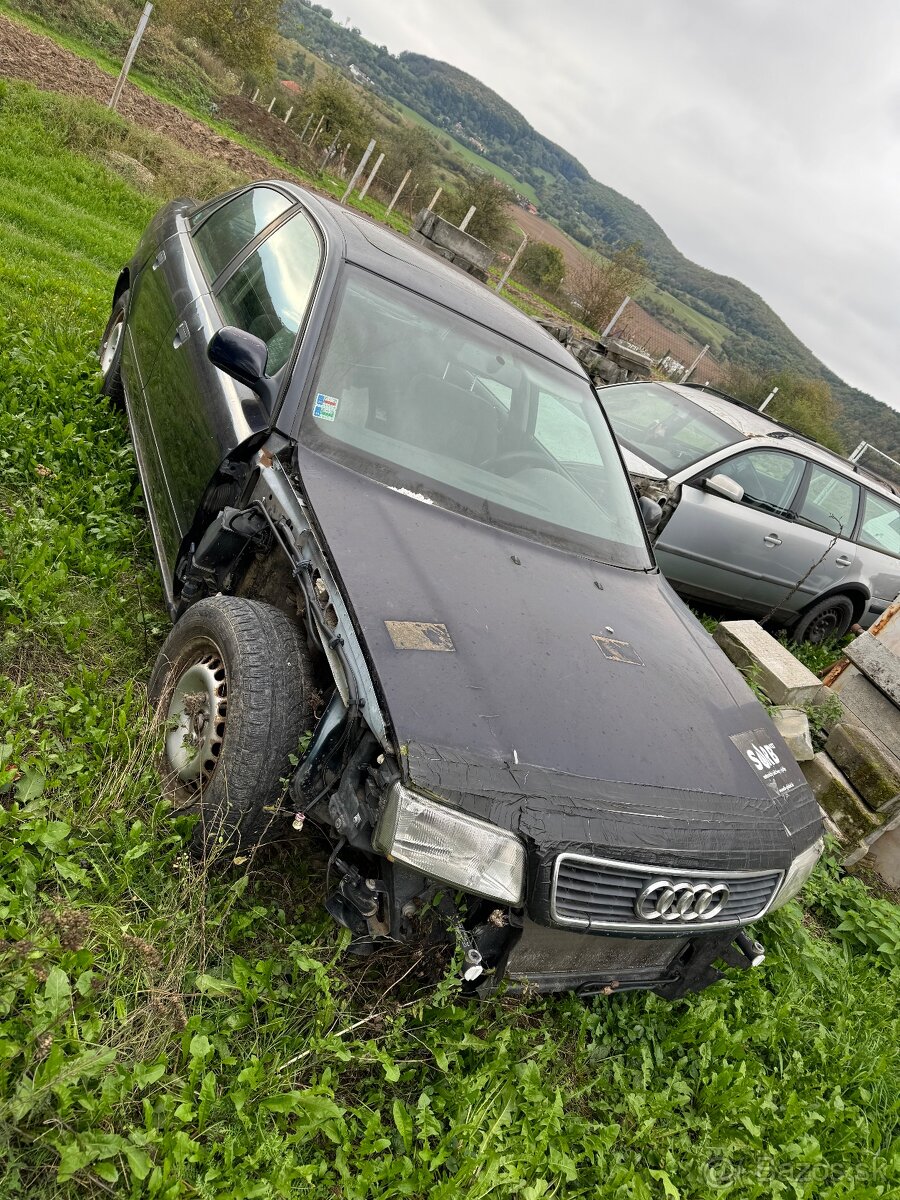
<point x="763" y="135"/>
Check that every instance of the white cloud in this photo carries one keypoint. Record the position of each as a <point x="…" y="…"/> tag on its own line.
<point x="763" y="136"/>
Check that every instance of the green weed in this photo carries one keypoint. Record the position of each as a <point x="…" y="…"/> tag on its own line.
<point x="167" y="1032"/>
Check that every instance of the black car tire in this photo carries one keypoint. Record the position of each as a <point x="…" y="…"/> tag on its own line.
<point x="232" y="684"/>
<point x="829" y="619"/>
<point x="111" y="352"/>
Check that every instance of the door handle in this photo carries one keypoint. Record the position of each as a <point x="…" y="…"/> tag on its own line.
<point x="159" y="260"/>
<point x="772" y="539"/>
<point x="182" y="333"/>
<point x="844" y="560"/>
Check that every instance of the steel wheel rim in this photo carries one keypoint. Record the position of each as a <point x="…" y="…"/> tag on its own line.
<point x="824" y="626"/>
<point x="196" y="720"/>
<point x="111" y="345"/>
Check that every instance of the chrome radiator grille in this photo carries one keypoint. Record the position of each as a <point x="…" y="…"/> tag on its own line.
<point x="599" y="893"/>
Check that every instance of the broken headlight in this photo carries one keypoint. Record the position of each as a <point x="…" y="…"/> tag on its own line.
<point x="797" y="874"/>
<point x="449" y="845"/>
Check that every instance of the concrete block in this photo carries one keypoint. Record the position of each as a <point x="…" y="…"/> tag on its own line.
<point x="873" y="770"/>
<point x="866" y="706"/>
<point x="783" y="679"/>
<point x="793" y="725"/>
<point x="884" y="855"/>
<point x="878" y="663"/>
<point x="838" y="798"/>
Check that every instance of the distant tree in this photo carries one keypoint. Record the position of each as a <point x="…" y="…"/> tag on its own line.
<point x="804" y="404"/>
<point x="543" y="265"/>
<point x="491" y="223"/>
<point x="345" y="113"/>
<point x="601" y="285"/>
<point x="410" y="148"/>
<point x="240" y="32"/>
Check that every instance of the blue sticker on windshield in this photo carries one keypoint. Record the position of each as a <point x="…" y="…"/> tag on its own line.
<point x="325" y="407"/>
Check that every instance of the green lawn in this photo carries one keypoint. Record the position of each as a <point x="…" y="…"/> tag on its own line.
<point x="167" y="1034"/>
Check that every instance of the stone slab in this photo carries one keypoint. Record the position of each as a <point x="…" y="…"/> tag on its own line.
<point x="839" y="799"/>
<point x="872" y="770"/>
<point x="880" y="665"/>
<point x="884" y="855"/>
<point x="793" y="725"/>
<point x="866" y="706"/>
<point x="784" y="679"/>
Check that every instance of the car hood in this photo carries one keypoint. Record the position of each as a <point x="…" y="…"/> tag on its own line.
<point x="639" y="466"/>
<point x="575" y="702"/>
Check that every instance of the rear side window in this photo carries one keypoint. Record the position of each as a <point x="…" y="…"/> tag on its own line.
<point x="268" y="295"/>
<point x="880" y="528"/>
<point x="769" y="478"/>
<point x="226" y="231"/>
<point x="830" y="502"/>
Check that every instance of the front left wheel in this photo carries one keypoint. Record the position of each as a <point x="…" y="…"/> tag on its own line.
<point x="232" y="685"/>
<point x="111" y="352"/>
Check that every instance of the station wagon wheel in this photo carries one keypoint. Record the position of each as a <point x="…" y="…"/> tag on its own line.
<point x="111" y="352"/>
<point x="232" y="687"/>
<point x="827" y="620"/>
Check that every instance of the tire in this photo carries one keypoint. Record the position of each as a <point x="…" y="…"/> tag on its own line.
<point x="232" y="683"/>
<point x="827" y="620"/>
<point x="110" y="352"/>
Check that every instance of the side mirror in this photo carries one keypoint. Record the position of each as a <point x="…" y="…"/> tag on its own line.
<point x="243" y="356"/>
<point x="650" y="511"/>
<point x="721" y="485"/>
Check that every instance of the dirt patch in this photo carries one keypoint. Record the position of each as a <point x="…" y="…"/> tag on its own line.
<point x="38" y="60"/>
<point x="255" y="122"/>
<point x="539" y="230"/>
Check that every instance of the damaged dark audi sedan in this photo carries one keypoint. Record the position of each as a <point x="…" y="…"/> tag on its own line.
<point x="414" y="605"/>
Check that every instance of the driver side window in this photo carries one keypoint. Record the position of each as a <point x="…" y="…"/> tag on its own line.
<point x="770" y="479"/>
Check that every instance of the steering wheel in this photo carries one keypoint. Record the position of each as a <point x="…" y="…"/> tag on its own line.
<point x="519" y="460"/>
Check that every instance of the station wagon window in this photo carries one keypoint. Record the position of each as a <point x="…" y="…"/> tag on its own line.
<point x="830" y="502"/>
<point x="880" y="528"/>
<point x="268" y="295"/>
<point x="770" y="478"/>
<point x="228" y="229"/>
<point x="663" y="427"/>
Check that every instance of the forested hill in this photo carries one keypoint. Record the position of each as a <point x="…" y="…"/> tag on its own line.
<point x="588" y="210"/>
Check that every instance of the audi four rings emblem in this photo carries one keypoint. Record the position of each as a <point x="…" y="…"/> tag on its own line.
<point x="681" y="900"/>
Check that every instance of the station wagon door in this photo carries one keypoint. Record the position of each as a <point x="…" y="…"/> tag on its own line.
<point x="730" y="551"/>
<point x="200" y="414"/>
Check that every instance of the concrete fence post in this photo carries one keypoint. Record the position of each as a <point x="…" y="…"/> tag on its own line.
<point x="129" y="57"/>
<point x="271" y="104"/>
<point x="359" y="170"/>
<point x="511" y="265"/>
<point x="612" y="324"/>
<point x="396" y="195"/>
<point x="315" y="133"/>
<point x="434" y="199"/>
<point x="288" y="114"/>
<point x="306" y="126"/>
<point x="466" y="219"/>
<point x="379" y="160"/>
<point x="254" y="97"/>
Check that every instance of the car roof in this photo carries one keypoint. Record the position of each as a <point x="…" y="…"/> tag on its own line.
<point x="753" y="424"/>
<point x="371" y="245"/>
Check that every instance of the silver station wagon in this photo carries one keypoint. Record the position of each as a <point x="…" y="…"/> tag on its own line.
<point x="756" y="517"/>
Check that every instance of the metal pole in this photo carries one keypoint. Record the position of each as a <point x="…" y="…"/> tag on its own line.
<point x="858" y="452"/>
<point x="611" y="326"/>
<point x="396" y="196"/>
<point x="359" y="170"/>
<point x="129" y="57"/>
<point x="686" y="376"/>
<point x="466" y="219"/>
<point x="434" y="199"/>
<point x="512" y="262"/>
<point x="378" y="161"/>
<point x="765" y="403"/>
<point x="306" y="126"/>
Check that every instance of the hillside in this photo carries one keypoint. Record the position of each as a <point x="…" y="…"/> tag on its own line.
<point x="585" y="208"/>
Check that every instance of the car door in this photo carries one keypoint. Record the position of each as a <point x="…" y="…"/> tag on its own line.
<point x="820" y="555"/>
<point x="879" y="550"/>
<point x="730" y="551"/>
<point x="200" y="414"/>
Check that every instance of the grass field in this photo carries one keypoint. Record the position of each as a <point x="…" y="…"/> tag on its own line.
<point x="167" y="1034"/>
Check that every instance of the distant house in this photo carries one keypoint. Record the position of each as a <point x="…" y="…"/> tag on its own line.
<point x="291" y="86"/>
<point x="359" y="76"/>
